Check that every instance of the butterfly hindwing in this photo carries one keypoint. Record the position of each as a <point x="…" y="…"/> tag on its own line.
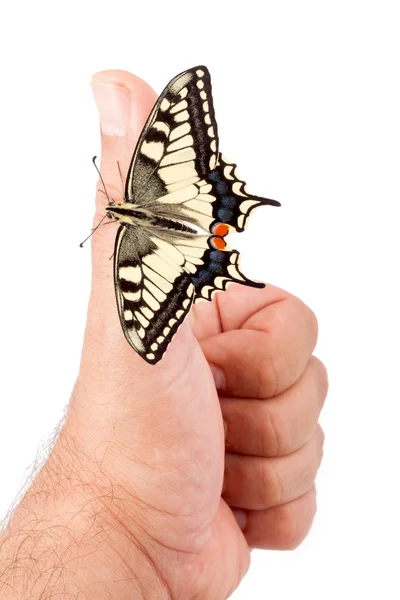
<point x="233" y="203"/>
<point x="209" y="263"/>
<point x="218" y="203"/>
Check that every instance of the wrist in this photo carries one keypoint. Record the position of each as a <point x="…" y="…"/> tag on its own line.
<point x="66" y="538"/>
<point x="40" y="562"/>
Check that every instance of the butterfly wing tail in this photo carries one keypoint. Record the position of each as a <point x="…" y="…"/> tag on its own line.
<point x="234" y="203"/>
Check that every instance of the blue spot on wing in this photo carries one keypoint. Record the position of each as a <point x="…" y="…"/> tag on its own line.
<point x="205" y="275"/>
<point x="228" y="201"/>
<point x="217" y="255"/>
<point x="222" y="187"/>
<point x="214" y="176"/>
<point x="225" y="214"/>
<point x="210" y="270"/>
<point x="216" y="267"/>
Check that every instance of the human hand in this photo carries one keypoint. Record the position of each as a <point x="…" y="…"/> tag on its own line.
<point x="133" y="486"/>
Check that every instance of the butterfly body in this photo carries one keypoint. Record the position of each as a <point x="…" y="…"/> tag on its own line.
<point x="131" y="214"/>
<point x="178" y="183"/>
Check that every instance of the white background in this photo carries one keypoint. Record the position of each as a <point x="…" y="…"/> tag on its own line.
<point x="308" y="104"/>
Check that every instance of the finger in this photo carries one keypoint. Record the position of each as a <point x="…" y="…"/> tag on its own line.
<point x="281" y="425"/>
<point x="124" y="102"/>
<point x="259" y="483"/>
<point x="282" y="527"/>
<point x="266" y="342"/>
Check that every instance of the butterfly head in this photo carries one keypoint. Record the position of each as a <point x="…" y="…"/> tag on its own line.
<point x="110" y="214"/>
<point x="126" y="212"/>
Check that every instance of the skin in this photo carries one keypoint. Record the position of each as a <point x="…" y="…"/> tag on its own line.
<point x="164" y="477"/>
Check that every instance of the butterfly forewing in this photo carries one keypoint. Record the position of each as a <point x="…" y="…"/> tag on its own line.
<point x="154" y="292"/>
<point x="179" y="143"/>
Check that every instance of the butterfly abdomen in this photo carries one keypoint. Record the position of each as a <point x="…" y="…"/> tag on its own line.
<point x="170" y="224"/>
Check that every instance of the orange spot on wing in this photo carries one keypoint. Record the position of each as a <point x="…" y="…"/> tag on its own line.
<point x="221" y="229"/>
<point x="218" y="243"/>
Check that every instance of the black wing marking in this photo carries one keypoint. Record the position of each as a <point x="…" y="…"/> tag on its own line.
<point x="179" y="143"/>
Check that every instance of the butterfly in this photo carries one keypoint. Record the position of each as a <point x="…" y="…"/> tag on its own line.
<point x="177" y="183"/>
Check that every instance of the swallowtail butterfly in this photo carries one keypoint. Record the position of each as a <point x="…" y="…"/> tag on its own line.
<point x="177" y="180"/>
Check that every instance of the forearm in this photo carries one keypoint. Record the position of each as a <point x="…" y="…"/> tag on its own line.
<point x="65" y="540"/>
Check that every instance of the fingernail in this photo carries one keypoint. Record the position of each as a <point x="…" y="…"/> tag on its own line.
<point x="241" y="517"/>
<point x="114" y="106"/>
<point x="219" y="377"/>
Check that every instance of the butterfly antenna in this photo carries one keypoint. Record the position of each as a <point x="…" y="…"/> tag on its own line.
<point x="101" y="179"/>
<point x="108" y="198"/>
<point x="93" y="230"/>
<point x="120" y="172"/>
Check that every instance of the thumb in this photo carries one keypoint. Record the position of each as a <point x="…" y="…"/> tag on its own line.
<point x="124" y="101"/>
